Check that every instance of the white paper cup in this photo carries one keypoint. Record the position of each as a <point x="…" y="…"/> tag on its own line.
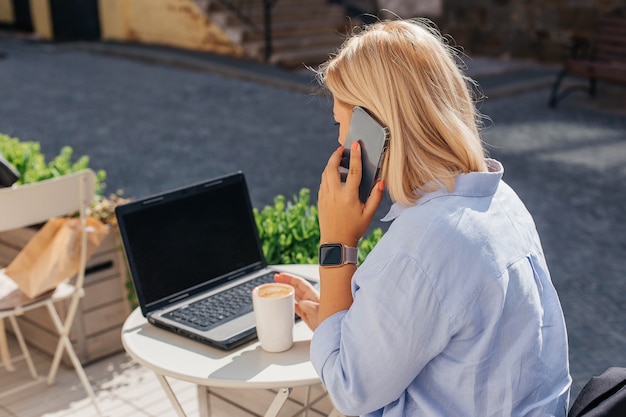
<point x="274" y="312"/>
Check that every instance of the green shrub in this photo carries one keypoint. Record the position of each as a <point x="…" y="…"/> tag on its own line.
<point x="289" y="231"/>
<point x="367" y="243"/>
<point x="31" y="164"/>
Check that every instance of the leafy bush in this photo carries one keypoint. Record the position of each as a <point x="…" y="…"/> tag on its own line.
<point x="366" y="244"/>
<point x="31" y="164"/>
<point x="289" y="231"/>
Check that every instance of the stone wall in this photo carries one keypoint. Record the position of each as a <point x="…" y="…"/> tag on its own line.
<point x="177" y="23"/>
<point x="6" y="12"/>
<point x="536" y="29"/>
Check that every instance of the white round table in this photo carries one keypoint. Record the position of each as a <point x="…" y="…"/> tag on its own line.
<point x="171" y="355"/>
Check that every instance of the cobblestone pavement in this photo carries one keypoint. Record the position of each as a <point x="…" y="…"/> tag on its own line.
<point x="156" y="119"/>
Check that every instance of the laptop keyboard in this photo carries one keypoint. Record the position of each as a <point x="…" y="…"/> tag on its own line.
<point x="215" y="309"/>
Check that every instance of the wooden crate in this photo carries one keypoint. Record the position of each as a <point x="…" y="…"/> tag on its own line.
<point x="101" y="312"/>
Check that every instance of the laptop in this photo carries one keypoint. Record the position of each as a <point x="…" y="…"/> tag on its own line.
<point x="192" y="252"/>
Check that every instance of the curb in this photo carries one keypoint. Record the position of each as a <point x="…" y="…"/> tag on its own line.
<point x="299" y="81"/>
<point x="519" y="77"/>
<point x="521" y="87"/>
<point x="239" y="68"/>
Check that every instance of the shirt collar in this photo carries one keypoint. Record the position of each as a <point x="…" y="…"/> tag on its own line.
<point x="473" y="184"/>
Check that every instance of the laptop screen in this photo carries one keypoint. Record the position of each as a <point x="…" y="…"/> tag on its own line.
<point x="189" y="240"/>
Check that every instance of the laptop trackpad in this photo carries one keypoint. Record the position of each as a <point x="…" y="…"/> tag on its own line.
<point x="232" y="328"/>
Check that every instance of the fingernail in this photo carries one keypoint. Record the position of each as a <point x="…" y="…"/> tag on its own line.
<point x="355" y="146"/>
<point x="381" y="185"/>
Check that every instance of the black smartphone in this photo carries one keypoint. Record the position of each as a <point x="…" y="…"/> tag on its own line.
<point x="374" y="139"/>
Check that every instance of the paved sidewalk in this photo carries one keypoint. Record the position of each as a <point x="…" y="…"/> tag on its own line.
<point x="156" y="119"/>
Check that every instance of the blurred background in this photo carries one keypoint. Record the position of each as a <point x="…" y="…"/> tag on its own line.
<point x="163" y="93"/>
<point x="292" y="32"/>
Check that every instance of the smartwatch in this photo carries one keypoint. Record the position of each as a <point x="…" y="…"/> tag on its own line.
<point x="336" y="254"/>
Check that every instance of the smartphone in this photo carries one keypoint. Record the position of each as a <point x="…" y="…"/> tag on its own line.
<point x="374" y="140"/>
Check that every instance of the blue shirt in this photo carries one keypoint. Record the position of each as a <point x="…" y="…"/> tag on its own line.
<point x="454" y="314"/>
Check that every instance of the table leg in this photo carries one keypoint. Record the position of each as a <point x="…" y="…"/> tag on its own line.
<point x="170" y="395"/>
<point x="278" y="402"/>
<point x="204" y="401"/>
<point x="308" y="405"/>
<point x="307" y="402"/>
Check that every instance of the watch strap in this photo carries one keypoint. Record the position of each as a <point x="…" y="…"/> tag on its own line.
<point x="342" y="255"/>
<point x="350" y="255"/>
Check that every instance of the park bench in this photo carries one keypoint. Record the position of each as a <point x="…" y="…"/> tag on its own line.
<point x="602" y="58"/>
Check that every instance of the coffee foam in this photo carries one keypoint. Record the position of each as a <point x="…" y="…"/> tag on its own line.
<point x="273" y="291"/>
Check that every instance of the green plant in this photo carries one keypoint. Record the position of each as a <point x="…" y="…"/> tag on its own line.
<point x="289" y="231"/>
<point x="367" y="243"/>
<point x="30" y="162"/>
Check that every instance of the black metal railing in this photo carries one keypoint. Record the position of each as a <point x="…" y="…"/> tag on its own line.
<point x="243" y="10"/>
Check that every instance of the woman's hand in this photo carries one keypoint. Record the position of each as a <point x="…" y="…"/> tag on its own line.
<point x="342" y="216"/>
<point x="307" y="298"/>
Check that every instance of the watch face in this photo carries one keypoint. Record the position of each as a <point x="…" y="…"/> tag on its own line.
<point x="330" y="255"/>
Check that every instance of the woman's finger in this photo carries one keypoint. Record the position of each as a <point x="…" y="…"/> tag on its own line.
<point x="309" y="312"/>
<point x="331" y="176"/>
<point x="304" y="289"/>
<point x="356" y="167"/>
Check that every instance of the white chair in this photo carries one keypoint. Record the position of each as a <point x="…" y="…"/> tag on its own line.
<point x="33" y="204"/>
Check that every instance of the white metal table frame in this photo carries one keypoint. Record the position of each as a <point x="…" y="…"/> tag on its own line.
<point x="171" y="355"/>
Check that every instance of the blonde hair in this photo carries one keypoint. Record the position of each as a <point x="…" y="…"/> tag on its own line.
<point x="407" y="76"/>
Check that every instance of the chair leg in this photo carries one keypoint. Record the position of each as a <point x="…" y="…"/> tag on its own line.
<point x="554" y="94"/>
<point x="63" y="328"/>
<point x="65" y="344"/>
<point x="5" y="355"/>
<point x="593" y="82"/>
<point x="23" y="347"/>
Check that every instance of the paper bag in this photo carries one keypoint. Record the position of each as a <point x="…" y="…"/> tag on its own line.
<point x="52" y="255"/>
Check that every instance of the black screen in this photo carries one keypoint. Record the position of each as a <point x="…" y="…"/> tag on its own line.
<point x="188" y="239"/>
<point x="331" y="255"/>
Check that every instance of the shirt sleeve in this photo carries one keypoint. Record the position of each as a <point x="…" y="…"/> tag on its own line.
<point x="368" y="355"/>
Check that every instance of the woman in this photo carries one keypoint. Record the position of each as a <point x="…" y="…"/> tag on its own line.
<point x="453" y="313"/>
